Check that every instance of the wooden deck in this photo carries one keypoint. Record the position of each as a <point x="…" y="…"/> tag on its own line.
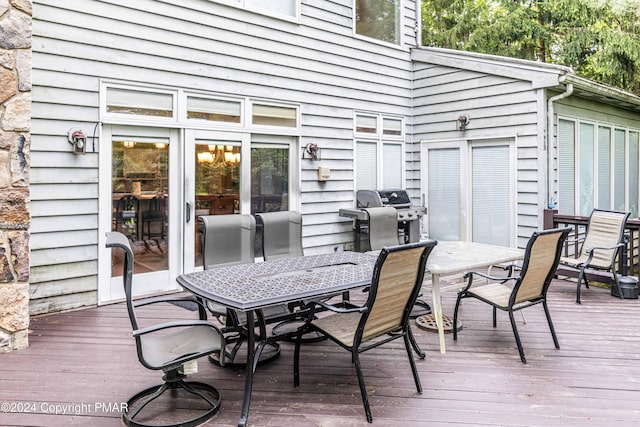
<point x="82" y="361"/>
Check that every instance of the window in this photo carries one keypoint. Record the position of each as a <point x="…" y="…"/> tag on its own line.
<point x="379" y="151"/>
<point x="598" y="167"/>
<point x="277" y="8"/>
<point x="270" y="175"/>
<point x="378" y="19"/>
<point x="273" y="115"/>
<point x="213" y="110"/>
<point x="280" y="7"/>
<point x="140" y="102"/>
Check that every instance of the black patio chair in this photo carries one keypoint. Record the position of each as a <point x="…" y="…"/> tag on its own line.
<point x="230" y="240"/>
<point x="384" y="317"/>
<point x="528" y="288"/>
<point x="168" y="346"/>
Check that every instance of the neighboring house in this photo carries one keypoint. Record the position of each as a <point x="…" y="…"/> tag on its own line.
<point x="218" y="107"/>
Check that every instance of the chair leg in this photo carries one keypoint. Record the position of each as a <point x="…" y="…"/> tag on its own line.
<point x="296" y="356"/>
<point x="412" y="362"/>
<point x="553" y="331"/>
<point x="517" y="336"/>
<point x="495" y="317"/>
<point x="580" y="277"/>
<point x="455" y="317"/>
<point x="363" y="389"/>
<point x="414" y="344"/>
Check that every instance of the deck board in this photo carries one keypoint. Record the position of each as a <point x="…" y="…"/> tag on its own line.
<point x="88" y="357"/>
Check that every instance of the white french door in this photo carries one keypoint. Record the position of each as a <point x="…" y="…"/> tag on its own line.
<point x="140" y="196"/>
<point x="214" y="166"/>
<point x="470" y="190"/>
<point x="234" y="173"/>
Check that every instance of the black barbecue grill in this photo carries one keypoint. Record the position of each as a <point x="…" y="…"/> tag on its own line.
<point x="408" y="216"/>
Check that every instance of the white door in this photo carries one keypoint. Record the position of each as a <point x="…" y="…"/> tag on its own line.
<point x="228" y="173"/>
<point x="470" y="190"/>
<point x="214" y="165"/>
<point x="140" y="196"/>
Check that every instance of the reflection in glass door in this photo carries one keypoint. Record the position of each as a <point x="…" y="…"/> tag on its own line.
<point x="138" y="197"/>
<point x="217" y="184"/>
<point x="140" y="192"/>
<point x="269" y="178"/>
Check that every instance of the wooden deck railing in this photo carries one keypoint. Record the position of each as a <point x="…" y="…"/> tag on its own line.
<point x="628" y="263"/>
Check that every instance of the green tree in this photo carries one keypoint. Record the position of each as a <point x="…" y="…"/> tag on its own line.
<point x="599" y="39"/>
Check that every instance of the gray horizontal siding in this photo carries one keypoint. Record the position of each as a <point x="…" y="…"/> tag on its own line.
<point x="205" y="46"/>
<point x="498" y="106"/>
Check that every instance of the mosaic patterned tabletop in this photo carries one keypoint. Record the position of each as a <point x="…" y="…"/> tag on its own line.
<point x="258" y="285"/>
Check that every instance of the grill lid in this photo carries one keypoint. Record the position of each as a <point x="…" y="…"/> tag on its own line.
<point x="397" y="198"/>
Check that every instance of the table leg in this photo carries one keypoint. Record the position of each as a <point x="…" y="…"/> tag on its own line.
<point x="437" y="309"/>
<point x="250" y="368"/>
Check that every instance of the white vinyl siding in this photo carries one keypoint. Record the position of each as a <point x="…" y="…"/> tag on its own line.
<point x="501" y="103"/>
<point x="209" y="51"/>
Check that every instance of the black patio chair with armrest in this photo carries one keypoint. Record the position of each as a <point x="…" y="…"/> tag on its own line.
<point x="168" y="346"/>
<point x="526" y="289"/>
<point x="384" y="317"/>
<point x="282" y="238"/>
<point x="383" y="231"/>
<point x="600" y="248"/>
<point x="230" y="240"/>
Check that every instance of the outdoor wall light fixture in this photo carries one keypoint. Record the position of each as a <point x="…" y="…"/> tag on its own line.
<point x="463" y="121"/>
<point x="78" y="139"/>
<point x="312" y="150"/>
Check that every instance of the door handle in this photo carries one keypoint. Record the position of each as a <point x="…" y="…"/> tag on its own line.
<point x="188" y="212"/>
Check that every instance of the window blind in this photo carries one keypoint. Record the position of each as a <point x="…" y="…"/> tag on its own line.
<point x="566" y="167"/>
<point x="490" y="195"/>
<point x="366" y="165"/>
<point x="444" y="194"/>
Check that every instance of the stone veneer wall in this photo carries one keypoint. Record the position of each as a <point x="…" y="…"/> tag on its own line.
<point x="15" y="127"/>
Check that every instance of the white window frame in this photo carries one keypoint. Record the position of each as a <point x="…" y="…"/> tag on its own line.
<point x="380" y="139"/>
<point x="183" y="113"/>
<point x="242" y="4"/>
<point x="593" y="163"/>
<point x="464" y="148"/>
<point x="123" y="118"/>
<point x="401" y="20"/>
<point x="179" y="113"/>
<point x="281" y="130"/>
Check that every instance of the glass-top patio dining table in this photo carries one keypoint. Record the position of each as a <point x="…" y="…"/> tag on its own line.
<point x="452" y="257"/>
<point x="252" y="287"/>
